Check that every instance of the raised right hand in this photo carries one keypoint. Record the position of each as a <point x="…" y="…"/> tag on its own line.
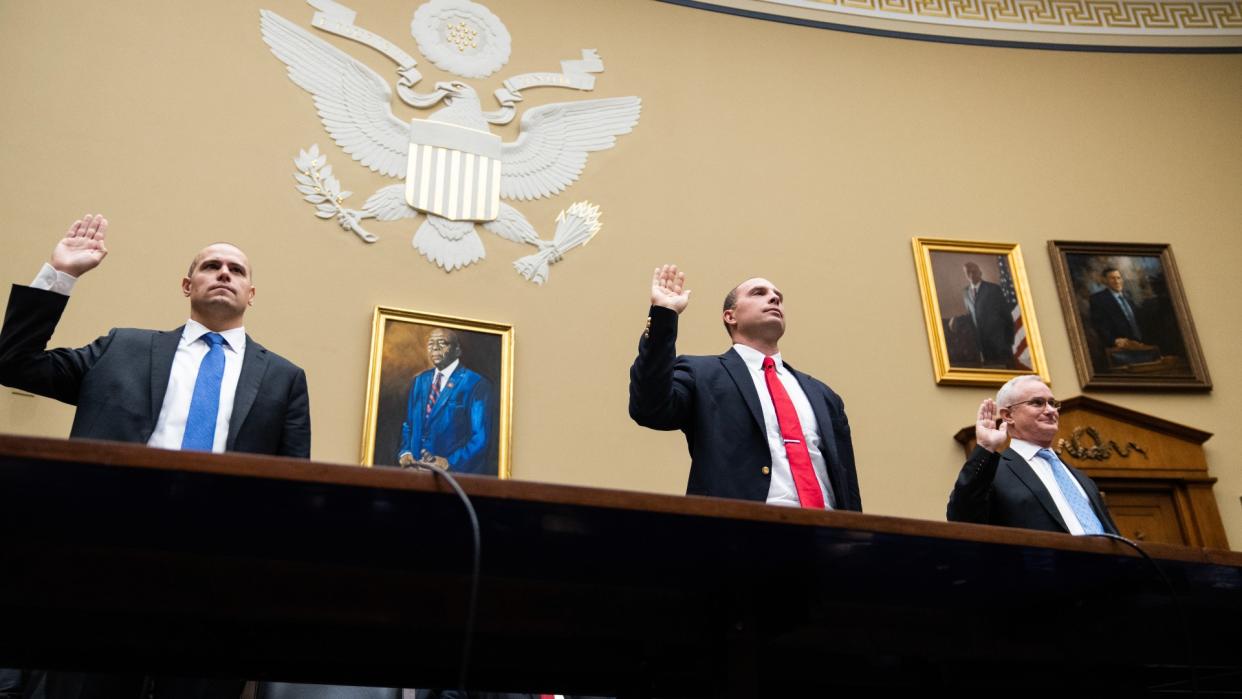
<point x="668" y="288"/>
<point x="82" y="248"/>
<point x="987" y="434"/>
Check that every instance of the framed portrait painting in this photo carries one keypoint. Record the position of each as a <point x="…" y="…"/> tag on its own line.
<point x="1128" y="320"/>
<point x="439" y="391"/>
<point x="980" y="321"/>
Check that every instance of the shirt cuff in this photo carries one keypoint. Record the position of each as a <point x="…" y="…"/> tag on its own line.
<point x="51" y="279"/>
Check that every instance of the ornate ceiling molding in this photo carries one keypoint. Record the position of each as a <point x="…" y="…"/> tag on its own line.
<point x="1182" y="25"/>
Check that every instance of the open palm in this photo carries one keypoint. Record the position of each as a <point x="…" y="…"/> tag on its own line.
<point x="668" y="288"/>
<point x="82" y="248"/>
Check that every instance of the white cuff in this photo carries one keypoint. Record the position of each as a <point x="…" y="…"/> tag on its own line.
<point x="52" y="279"/>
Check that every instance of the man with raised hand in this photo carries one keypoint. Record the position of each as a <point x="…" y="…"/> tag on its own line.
<point x="757" y="429"/>
<point x="205" y="386"/>
<point x="1025" y="485"/>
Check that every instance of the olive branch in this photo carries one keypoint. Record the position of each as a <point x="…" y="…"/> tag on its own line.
<point x="320" y="187"/>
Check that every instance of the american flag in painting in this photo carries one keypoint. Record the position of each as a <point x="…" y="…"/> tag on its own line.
<point x="1021" y="353"/>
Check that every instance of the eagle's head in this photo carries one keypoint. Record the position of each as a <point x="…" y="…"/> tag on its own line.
<point x="457" y="89"/>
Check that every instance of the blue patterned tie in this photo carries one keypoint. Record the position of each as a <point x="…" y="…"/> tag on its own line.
<point x="200" y="424"/>
<point x="1069" y="488"/>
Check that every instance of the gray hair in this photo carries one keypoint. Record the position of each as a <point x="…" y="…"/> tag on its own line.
<point x="1004" y="397"/>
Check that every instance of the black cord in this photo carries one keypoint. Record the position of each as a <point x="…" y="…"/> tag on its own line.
<point x="472" y="607"/>
<point x="1177" y="604"/>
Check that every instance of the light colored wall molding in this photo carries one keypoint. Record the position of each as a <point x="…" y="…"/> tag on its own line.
<point x="1185" y="24"/>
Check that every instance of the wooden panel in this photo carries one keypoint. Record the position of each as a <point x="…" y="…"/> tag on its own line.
<point x="1162" y="451"/>
<point x="116" y="557"/>
<point x="1207" y="516"/>
<point x="1147" y="515"/>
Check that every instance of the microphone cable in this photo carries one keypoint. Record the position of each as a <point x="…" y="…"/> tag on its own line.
<point x="473" y="603"/>
<point x="1177" y="605"/>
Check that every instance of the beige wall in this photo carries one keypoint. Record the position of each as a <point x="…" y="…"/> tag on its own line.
<point x="807" y="156"/>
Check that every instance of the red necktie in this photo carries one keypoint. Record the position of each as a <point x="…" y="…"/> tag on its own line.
<point x="434" y="394"/>
<point x="809" y="494"/>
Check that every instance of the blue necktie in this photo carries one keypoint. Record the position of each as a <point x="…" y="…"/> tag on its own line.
<point x="1128" y="311"/>
<point x="200" y="424"/>
<point x="1069" y="488"/>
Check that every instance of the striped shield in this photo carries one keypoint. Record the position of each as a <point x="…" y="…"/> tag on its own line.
<point x="453" y="171"/>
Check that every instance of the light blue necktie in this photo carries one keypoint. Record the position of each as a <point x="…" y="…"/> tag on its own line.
<point x="200" y="424"/>
<point x="1069" y="488"/>
<point x="1128" y="311"/>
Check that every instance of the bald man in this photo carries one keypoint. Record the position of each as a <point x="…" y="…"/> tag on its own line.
<point x="757" y="429"/>
<point x="205" y="386"/>
<point x="450" y="415"/>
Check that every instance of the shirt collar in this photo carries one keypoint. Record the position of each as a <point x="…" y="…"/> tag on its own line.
<point x="754" y="358"/>
<point x="1024" y="448"/>
<point x="234" y="339"/>
<point x="448" y="370"/>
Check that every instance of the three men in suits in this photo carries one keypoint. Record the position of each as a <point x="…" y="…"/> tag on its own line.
<point x="756" y="428"/>
<point x="994" y="329"/>
<point x="205" y="386"/>
<point x="1025" y="485"/>
<point x="450" y="415"/>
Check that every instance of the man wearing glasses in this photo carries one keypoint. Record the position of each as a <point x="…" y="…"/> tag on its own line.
<point x="1025" y="485"/>
<point x="449" y="417"/>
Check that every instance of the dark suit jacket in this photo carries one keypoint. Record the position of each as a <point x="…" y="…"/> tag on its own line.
<point x="1001" y="489"/>
<point x="118" y="381"/>
<point x="714" y="402"/>
<point x="460" y="425"/>
<point x="1109" y="320"/>
<point x="993" y="322"/>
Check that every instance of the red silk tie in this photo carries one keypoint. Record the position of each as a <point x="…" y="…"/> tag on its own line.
<point x="809" y="494"/>
<point x="434" y="394"/>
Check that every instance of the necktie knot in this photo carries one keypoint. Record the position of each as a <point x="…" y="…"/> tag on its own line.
<point x="1078" y="504"/>
<point x="768" y="363"/>
<point x="213" y="339"/>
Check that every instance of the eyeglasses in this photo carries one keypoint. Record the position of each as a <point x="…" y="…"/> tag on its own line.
<point x="1039" y="403"/>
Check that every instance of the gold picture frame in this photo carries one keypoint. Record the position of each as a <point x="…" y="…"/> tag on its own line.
<point x="470" y="420"/>
<point x="981" y="325"/>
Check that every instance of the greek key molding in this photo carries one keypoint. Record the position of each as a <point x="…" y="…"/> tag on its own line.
<point x="1184" y="18"/>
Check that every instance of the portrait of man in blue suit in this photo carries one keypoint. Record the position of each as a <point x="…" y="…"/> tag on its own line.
<point x="450" y="413"/>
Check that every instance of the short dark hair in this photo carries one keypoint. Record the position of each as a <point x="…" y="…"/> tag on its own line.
<point x="730" y="302"/>
<point x="1109" y="269"/>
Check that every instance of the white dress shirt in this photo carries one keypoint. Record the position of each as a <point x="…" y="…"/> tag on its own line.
<point x="445" y="373"/>
<point x="782" y="490"/>
<point x="170" y="425"/>
<point x="1043" y="469"/>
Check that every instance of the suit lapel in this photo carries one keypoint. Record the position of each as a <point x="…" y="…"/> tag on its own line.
<point x="736" y="367"/>
<point x="254" y="365"/>
<point x="827" y="440"/>
<point x="1020" y="468"/>
<point x="450" y="386"/>
<point x="163" y="349"/>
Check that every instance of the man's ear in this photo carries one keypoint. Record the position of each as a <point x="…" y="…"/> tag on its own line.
<point x="729" y="317"/>
<point x="185" y="286"/>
